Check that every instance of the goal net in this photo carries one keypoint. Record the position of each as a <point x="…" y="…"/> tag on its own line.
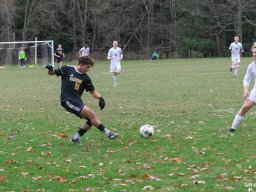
<point x="37" y="52"/>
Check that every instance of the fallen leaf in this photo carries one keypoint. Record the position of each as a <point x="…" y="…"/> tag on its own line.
<point x="221" y="177"/>
<point x="236" y="178"/>
<point x="132" y="176"/>
<point x="148" y="187"/>
<point x="37" y="178"/>
<point x="60" y="135"/>
<point x="194" y="177"/>
<point x="29" y="149"/>
<point x="188" y="138"/>
<point x="228" y="187"/>
<point x="177" y="159"/>
<point x="145" y="176"/>
<point x="2" y="178"/>
<point x="197" y="182"/>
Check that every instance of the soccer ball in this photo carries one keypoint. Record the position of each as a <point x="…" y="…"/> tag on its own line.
<point x="146" y="131"/>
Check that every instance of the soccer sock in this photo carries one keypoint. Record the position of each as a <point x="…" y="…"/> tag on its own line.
<point x="238" y="119"/>
<point x="102" y="128"/>
<point x="79" y="133"/>
<point x="114" y="79"/>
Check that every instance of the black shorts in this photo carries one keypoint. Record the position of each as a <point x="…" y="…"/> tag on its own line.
<point x="59" y="59"/>
<point x="74" y="107"/>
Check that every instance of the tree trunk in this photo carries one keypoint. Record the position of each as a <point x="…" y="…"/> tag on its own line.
<point x="239" y="23"/>
<point x="82" y="13"/>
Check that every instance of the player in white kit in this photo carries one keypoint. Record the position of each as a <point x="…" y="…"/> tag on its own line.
<point x="250" y="98"/>
<point x="115" y="55"/>
<point x="236" y="48"/>
<point x="84" y="51"/>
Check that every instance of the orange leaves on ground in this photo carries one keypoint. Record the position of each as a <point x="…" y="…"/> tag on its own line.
<point x="177" y="160"/>
<point x="222" y="177"/>
<point x="60" y="135"/>
<point x="236" y="178"/>
<point x="58" y="178"/>
<point x="2" y="178"/>
<point x="145" y="176"/>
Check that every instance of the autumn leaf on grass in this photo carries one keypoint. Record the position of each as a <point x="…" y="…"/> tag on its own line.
<point x="2" y="178"/>
<point x="177" y="159"/>
<point x="58" y="178"/>
<point x="229" y="188"/>
<point x="188" y="138"/>
<point x="221" y="177"/>
<point x="29" y="149"/>
<point x="24" y="174"/>
<point x="148" y="187"/>
<point x="132" y="176"/>
<point x="60" y="135"/>
<point x="197" y="182"/>
<point x="37" y="178"/>
<point x="145" y="176"/>
<point x="236" y="178"/>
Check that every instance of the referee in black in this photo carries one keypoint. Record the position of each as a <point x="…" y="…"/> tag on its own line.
<point x="74" y="81"/>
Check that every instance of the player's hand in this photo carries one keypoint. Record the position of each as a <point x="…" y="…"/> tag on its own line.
<point x="246" y="94"/>
<point x="49" y="67"/>
<point x="101" y="103"/>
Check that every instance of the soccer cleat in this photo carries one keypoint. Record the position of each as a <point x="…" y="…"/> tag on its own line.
<point x="232" y="130"/>
<point x="112" y="135"/>
<point x="75" y="141"/>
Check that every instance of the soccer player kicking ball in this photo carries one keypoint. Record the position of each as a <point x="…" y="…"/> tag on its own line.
<point x="250" y="98"/>
<point x="74" y="81"/>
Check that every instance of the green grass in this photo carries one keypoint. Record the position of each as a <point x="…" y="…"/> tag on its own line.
<point x="191" y="103"/>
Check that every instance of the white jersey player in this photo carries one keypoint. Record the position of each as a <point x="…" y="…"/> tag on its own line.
<point x="250" y="98"/>
<point x="115" y="55"/>
<point x="84" y="51"/>
<point x="236" y="48"/>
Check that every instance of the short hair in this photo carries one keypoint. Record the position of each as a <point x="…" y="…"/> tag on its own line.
<point x="86" y="60"/>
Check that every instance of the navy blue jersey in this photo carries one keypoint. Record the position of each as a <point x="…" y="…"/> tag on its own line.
<point x="73" y="83"/>
<point x="59" y="52"/>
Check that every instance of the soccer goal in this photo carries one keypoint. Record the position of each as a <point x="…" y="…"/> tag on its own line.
<point x="37" y="52"/>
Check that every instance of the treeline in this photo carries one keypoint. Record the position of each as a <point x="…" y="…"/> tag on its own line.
<point x="173" y="28"/>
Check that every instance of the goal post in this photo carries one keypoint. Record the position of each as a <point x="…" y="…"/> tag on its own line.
<point x="37" y="52"/>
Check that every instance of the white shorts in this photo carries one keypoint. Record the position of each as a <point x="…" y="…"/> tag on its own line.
<point x="252" y="95"/>
<point x="235" y="62"/>
<point x="115" y="67"/>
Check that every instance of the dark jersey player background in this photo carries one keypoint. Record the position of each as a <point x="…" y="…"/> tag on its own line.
<point x="59" y="54"/>
<point x="74" y="81"/>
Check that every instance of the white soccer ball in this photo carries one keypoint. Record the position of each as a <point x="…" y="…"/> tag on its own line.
<point x="146" y="131"/>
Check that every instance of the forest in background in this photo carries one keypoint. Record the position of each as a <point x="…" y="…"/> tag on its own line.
<point x="173" y="28"/>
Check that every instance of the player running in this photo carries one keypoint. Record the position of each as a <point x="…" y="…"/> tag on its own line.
<point x="236" y="48"/>
<point x="250" y="98"/>
<point x="59" y="55"/>
<point x="84" y="51"/>
<point x="74" y="81"/>
<point x="115" y="54"/>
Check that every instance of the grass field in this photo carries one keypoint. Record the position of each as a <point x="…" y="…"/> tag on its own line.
<point x="191" y="103"/>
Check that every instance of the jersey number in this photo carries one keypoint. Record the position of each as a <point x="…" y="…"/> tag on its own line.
<point x="77" y="86"/>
